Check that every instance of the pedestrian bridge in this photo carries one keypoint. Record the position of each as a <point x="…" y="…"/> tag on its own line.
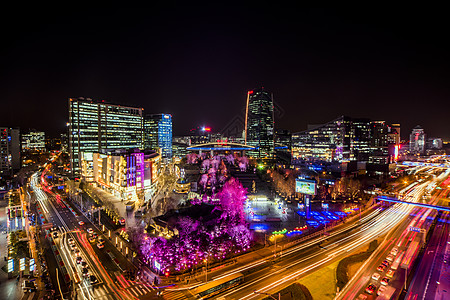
<point x="390" y="199"/>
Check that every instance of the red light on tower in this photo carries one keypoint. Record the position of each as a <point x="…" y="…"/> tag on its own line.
<point x="250" y="92"/>
<point x="208" y="129"/>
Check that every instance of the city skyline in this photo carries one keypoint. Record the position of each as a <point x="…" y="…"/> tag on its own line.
<point x="197" y="63"/>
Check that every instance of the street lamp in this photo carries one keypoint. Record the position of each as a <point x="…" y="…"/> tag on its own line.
<point x="206" y="269"/>
<point x="267" y="294"/>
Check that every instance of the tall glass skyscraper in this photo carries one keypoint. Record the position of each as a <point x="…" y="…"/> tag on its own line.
<point x="259" y="123"/>
<point x="96" y="126"/>
<point x="158" y="133"/>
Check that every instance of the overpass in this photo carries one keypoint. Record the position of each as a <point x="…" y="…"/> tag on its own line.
<point x="390" y="199"/>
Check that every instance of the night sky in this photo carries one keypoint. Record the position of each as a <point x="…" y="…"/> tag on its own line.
<point x="198" y="62"/>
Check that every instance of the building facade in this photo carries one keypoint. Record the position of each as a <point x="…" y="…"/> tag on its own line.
<point x="259" y="123"/>
<point x="96" y="126"/>
<point x="158" y="133"/>
<point x="343" y="140"/>
<point x="33" y="141"/>
<point x="417" y="140"/>
<point x="128" y="174"/>
<point x="9" y="151"/>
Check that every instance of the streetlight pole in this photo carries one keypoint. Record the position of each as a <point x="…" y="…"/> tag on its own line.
<point x="206" y="270"/>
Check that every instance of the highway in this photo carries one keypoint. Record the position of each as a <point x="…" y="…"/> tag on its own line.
<point x="401" y="238"/>
<point x="263" y="276"/>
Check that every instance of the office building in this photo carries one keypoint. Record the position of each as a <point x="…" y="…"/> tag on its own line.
<point x="158" y="134"/>
<point x="97" y="125"/>
<point x="9" y="151"/>
<point x="343" y="140"/>
<point x="417" y="140"/>
<point x="329" y="142"/>
<point x="33" y="141"/>
<point x="259" y="123"/>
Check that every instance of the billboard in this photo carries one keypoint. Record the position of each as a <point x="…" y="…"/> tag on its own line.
<point x="305" y="186"/>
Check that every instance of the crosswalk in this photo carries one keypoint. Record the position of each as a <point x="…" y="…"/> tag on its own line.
<point x="101" y="292"/>
<point x="173" y="295"/>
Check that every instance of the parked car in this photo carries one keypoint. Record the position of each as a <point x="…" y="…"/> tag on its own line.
<point x="93" y="279"/>
<point x="376" y="276"/>
<point x="390" y="257"/>
<point x="385" y="281"/>
<point x="90" y="230"/>
<point x="381" y="290"/>
<point x="81" y="223"/>
<point x="100" y="245"/>
<point x="394" y="251"/>
<point x="371" y="288"/>
<point x="390" y="273"/>
<point x="381" y="268"/>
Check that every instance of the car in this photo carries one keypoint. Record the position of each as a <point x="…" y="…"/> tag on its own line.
<point x="100" y="245"/>
<point x="77" y="251"/>
<point x="53" y="229"/>
<point x="385" y="263"/>
<point x="122" y="221"/>
<point x="73" y="247"/>
<point x="385" y="281"/>
<point x="55" y="234"/>
<point x="376" y="276"/>
<point x="371" y="288"/>
<point x="28" y="286"/>
<point x="71" y="241"/>
<point x="390" y="273"/>
<point x="93" y="279"/>
<point x="85" y="272"/>
<point x="382" y="289"/>
<point x="81" y="223"/>
<point x="394" y="251"/>
<point x="390" y="257"/>
<point x="381" y="268"/>
<point x="90" y="230"/>
<point x="91" y="239"/>
<point x="95" y="235"/>
<point x="84" y="264"/>
<point x="79" y="259"/>
<point x="101" y="240"/>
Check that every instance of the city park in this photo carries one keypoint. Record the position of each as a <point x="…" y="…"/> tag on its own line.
<point x="224" y="220"/>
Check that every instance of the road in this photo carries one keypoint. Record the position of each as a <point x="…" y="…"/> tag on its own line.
<point x="401" y="238"/>
<point x="264" y="276"/>
<point x="425" y="282"/>
<point x="106" y="264"/>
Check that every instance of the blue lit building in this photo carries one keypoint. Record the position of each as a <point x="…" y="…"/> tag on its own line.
<point x="158" y="133"/>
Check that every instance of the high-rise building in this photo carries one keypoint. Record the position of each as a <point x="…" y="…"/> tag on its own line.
<point x="9" y="151"/>
<point x="33" y="140"/>
<point x="259" y="123"/>
<point x="158" y="133"/>
<point x="326" y="142"/>
<point x="96" y="126"/>
<point x="417" y="140"/>
<point x="342" y="140"/>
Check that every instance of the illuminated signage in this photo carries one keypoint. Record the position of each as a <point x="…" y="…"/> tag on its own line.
<point x="305" y="186"/>
<point x="157" y="265"/>
<point x="32" y="265"/>
<point x="10" y="265"/>
<point x="22" y="264"/>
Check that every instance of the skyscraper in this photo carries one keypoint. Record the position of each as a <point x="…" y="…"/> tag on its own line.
<point x="9" y="151"/>
<point x="96" y="126"/>
<point x="417" y="140"/>
<point x="259" y="123"/>
<point x="158" y="133"/>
